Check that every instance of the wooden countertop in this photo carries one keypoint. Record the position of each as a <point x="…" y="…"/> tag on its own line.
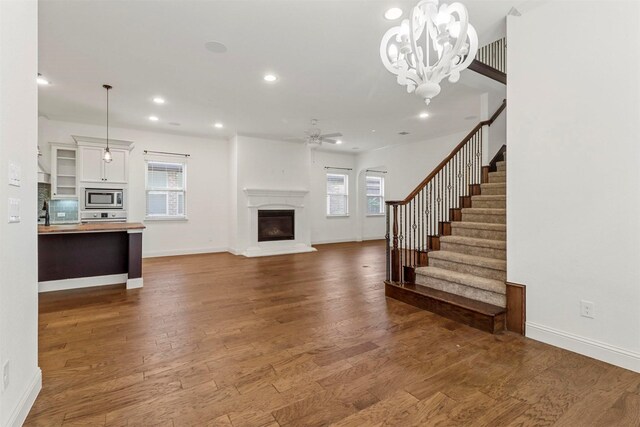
<point x="95" y="227"/>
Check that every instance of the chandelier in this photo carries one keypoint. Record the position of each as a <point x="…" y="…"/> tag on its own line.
<point x="434" y="43"/>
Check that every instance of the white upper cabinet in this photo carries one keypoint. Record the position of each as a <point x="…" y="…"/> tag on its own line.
<point x="117" y="171"/>
<point x="92" y="167"/>
<point x="91" y="164"/>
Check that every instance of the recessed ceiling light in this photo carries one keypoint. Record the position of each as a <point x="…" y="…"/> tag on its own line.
<point x="373" y="130"/>
<point x="41" y="80"/>
<point x="158" y="100"/>
<point x="218" y="125"/>
<point x="270" y="78"/>
<point x="215" y="47"/>
<point x="153" y="118"/>
<point x="424" y="115"/>
<point x="339" y="141"/>
<point x="393" y="13"/>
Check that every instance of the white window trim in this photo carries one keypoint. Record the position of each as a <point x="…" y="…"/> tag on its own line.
<point x="326" y="208"/>
<point x="182" y="217"/>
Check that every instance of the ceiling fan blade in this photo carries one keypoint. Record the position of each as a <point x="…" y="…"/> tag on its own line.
<point x="330" y="141"/>
<point x="294" y="139"/>
<point x="331" y="135"/>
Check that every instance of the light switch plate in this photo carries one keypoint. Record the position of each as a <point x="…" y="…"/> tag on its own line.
<point x="14" y="210"/>
<point x="15" y="174"/>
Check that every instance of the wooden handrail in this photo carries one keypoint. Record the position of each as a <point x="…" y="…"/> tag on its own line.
<point x="458" y="147"/>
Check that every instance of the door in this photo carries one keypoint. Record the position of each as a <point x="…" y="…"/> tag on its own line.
<point x="91" y="164"/>
<point x="116" y="170"/>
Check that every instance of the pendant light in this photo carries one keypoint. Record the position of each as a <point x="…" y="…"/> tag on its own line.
<point x="107" y="153"/>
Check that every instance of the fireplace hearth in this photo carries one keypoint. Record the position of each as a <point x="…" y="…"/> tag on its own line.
<point x="274" y="225"/>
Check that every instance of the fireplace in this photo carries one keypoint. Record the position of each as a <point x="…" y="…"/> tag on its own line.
<point x="276" y="225"/>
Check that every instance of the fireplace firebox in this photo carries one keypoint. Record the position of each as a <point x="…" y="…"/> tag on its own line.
<point x="276" y="225"/>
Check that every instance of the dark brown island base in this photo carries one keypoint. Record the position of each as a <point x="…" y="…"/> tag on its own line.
<point x="83" y="255"/>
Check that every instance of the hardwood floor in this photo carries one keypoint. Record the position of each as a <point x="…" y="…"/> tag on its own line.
<point x="300" y="340"/>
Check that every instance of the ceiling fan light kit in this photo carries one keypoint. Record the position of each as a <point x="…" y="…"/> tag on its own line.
<point x="436" y="42"/>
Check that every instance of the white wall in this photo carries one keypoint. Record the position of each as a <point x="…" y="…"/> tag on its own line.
<point x="573" y="204"/>
<point x="18" y="250"/>
<point x="332" y="229"/>
<point x="206" y="229"/>
<point x="406" y="165"/>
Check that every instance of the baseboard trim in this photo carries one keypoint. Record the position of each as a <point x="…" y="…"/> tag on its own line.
<point x="158" y="254"/>
<point x="19" y="414"/>
<point x="586" y="346"/>
<point x="351" y="240"/>
<point x="82" y="282"/>
<point x="135" y="283"/>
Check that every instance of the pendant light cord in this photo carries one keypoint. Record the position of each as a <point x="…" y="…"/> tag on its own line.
<point x="107" y="87"/>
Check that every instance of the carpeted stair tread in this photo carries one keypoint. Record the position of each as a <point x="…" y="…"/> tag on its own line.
<point x="498" y="197"/>
<point x="465" y="279"/>
<point x="484" y="211"/>
<point x="479" y="225"/>
<point x="493" y="185"/>
<point x="457" y="300"/>
<point x="477" y="261"/>
<point x="472" y="241"/>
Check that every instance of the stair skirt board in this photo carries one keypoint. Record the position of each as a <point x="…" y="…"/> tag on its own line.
<point x="476" y="314"/>
<point x="476" y="294"/>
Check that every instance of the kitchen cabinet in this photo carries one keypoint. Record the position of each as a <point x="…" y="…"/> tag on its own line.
<point x="63" y="171"/>
<point x="94" y="169"/>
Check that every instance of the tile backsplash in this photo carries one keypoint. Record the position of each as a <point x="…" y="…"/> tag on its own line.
<point x="63" y="210"/>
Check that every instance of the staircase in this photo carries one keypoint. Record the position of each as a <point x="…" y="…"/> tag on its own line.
<point x="471" y="261"/>
<point x="446" y="242"/>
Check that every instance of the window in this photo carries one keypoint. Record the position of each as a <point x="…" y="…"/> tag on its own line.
<point x="375" y="195"/>
<point x="337" y="194"/>
<point x="166" y="190"/>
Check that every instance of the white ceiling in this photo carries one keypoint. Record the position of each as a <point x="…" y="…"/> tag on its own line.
<point x="325" y="53"/>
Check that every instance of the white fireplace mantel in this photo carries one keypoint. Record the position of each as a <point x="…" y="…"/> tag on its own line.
<point x="269" y="198"/>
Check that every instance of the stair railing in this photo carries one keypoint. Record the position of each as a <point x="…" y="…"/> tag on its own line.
<point x="413" y="225"/>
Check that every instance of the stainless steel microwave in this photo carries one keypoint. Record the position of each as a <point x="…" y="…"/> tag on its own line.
<point x="103" y="198"/>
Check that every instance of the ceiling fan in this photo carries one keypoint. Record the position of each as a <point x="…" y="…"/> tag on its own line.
<point x="314" y="135"/>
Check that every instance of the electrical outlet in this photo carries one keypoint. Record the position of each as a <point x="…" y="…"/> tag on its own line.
<point x="5" y="375"/>
<point x="587" y="309"/>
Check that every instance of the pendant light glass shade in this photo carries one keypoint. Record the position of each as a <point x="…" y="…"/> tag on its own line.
<point x="107" y="153"/>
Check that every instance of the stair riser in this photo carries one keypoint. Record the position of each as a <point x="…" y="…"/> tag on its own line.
<point x="501" y="167"/>
<point x="489" y="273"/>
<point x="479" y="234"/>
<point x="497" y="178"/>
<point x="462" y="290"/>
<point x="489" y="204"/>
<point x="494" y="191"/>
<point x="474" y="250"/>
<point x="486" y="219"/>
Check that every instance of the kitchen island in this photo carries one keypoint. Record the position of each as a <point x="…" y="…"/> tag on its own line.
<point x="92" y="254"/>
